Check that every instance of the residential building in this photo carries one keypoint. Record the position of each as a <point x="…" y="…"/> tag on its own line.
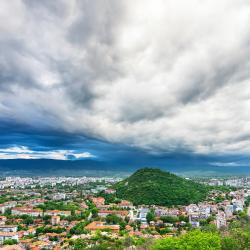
<point x="119" y="213"/>
<point x="8" y="235"/>
<point x="2" y="220"/>
<point x="55" y="220"/>
<point x="125" y="204"/>
<point x="57" y="213"/>
<point x="98" y="201"/>
<point x="142" y="215"/>
<point x="100" y="225"/>
<point x="221" y="219"/>
<point x="27" y="211"/>
<point x="8" y="228"/>
<point x="109" y="191"/>
<point x="58" y="196"/>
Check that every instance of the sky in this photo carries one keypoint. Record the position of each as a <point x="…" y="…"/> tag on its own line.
<point x="107" y="79"/>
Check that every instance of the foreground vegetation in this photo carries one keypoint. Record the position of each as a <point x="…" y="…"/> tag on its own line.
<point x="235" y="237"/>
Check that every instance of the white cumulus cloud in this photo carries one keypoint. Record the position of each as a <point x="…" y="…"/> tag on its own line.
<point x="23" y="152"/>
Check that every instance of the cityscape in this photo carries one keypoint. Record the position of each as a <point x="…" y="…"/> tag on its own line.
<point x="82" y="212"/>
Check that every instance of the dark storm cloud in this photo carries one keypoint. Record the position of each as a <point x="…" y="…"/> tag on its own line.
<point x="162" y="76"/>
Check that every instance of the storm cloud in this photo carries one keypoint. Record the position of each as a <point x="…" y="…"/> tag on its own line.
<point x="162" y="76"/>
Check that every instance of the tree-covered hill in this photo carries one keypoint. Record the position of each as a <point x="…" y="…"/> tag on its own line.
<point x="153" y="186"/>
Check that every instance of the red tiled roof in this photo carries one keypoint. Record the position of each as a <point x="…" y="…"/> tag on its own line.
<point x="97" y="225"/>
<point x="117" y="212"/>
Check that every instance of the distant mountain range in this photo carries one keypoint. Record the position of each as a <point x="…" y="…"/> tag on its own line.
<point x="46" y="167"/>
<point x="180" y="165"/>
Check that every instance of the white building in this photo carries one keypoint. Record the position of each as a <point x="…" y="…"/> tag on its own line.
<point x="27" y="211"/>
<point x="59" y="196"/>
<point x="55" y="220"/>
<point x="205" y="211"/>
<point x="6" y="205"/>
<point x="8" y="228"/>
<point x="142" y="216"/>
<point x="192" y="208"/>
<point x="8" y="235"/>
<point x="221" y="219"/>
<point x="57" y="213"/>
<point x="238" y="204"/>
<point x="229" y="209"/>
<point x="2" y="220"/>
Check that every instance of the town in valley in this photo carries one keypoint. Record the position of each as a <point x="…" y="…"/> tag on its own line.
<point x="66" y="212"/>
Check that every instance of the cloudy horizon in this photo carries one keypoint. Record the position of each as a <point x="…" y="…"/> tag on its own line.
<point x="82" y="79"/>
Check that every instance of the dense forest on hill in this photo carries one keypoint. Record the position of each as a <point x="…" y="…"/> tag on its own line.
<point x="153" y="186"/>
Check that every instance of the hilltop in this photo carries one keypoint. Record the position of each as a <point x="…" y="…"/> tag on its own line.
<point x="153" y="186"/>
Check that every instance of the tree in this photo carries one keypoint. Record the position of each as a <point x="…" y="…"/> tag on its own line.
<point x="183" y="218"/>
<point x="113" y="219"/>
<point x="194" y="240"/>
<point x="79" y="244"/>
<point x="7" y="212"/>
<point x="10" y="242"/>
<point x="94" y="212"/>
<point x="169" y="219"/>
<point x="229" y="243"/>
<point x="28" y="220"/>
<point x="79" y="228"/>
<point x="150" y="216"/>
<point x="128" y="241"/>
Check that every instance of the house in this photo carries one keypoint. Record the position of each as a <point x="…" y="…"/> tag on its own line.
<point x="37" y="245"/>
<point x="173" y="212"/>
<point x="136" y="233"/>
<point x="78" y="212"/>
<point x="195" y="224"/>
<point x="161" y="212"/>
<point x="98" y="201"/>
<point x="2" y="220"/>
<point x="229" y="209"/>
<point x="214" y="208"/>
<point x="11" y="247"/>
<point x="8" y="228"/>
<point x="8" y="235"/>
<point x="143" y="226"/>
<point x="238" y="204"/>
<point x="30" y="231"/>
<point x="125" y="204"/>
<point x="205" y="211"/>
<point x="57" y="213"/>
<point x="35" y="202"/>
<point x="55" y="220"/>
<point x="104" y="207"/>
<point x="129" y="228"/>
<point x="142" y="216"/>
<point x="192" y="208"/>
<point x="2" y="208"/>
<point x="27" y="211"/>
<point x="100" y="225"/>
<point x="109" y="191"/>
<point x="221" y="219"/>
<point x="58" y="196"/>
<point x="63" y="223"/>
<point x="119" y="213"/>
<point x="194" y="218"/>
<point x="6" y="205"/>
<point x="83" y="205"/>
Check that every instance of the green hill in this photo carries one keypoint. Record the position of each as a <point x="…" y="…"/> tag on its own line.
<point x="153" y="186"/>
